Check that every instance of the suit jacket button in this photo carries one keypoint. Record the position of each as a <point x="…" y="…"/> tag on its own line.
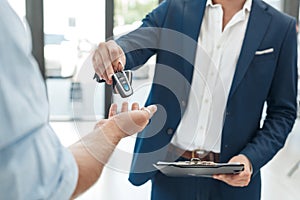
<point x="170" y="131"/>
<point x="183" y="103"/>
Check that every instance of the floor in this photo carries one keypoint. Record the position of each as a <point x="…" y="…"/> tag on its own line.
<point x="279" y="180"/>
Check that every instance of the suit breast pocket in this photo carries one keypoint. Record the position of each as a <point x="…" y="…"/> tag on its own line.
<point x="262" y="67"/>
<point x="264" y="57"/>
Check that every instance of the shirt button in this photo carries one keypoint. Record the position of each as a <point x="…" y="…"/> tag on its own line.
<point x="206" y="101"/>
<point x="218" y="46"/>
<point x="170" y="131"/>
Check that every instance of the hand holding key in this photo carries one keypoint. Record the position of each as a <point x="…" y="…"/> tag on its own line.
<point x="108" y="58"/>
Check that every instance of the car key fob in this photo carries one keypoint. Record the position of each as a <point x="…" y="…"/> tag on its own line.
<point x="122" y="83"/>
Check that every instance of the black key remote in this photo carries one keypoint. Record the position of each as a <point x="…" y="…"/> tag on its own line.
<point x="121" y="84"/>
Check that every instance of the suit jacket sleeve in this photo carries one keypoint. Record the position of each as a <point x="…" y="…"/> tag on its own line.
<point x="281" y="105"/>
<point x="140" y="44"/>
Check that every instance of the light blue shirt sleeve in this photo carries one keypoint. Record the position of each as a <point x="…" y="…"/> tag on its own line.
<point x="33" y="163"/>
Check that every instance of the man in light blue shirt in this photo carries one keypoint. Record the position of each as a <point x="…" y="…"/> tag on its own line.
<point x="33" y="163"/>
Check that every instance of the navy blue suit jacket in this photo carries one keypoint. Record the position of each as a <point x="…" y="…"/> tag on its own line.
<point x="269" y="78"/>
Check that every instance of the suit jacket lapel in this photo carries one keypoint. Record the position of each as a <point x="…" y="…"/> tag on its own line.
<point x="256" y="29"/>
<point x="193" y="12"/>
<point x="193" y="15"/>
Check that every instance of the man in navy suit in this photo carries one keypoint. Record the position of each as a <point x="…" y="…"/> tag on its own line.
<point x="219" y="62"/>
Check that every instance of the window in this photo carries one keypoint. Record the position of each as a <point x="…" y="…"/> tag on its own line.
<point x="71" y="30"/>
<point x="129" y="13"/>
<point x="127" y="17"/>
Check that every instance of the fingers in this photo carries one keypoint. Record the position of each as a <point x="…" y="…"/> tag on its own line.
<point x="112" y="110"/>
<point x="126" y="122"/>
<point x="134" y="121"/>
<point x="108" y="68"/>
<point x="124" y="107"/>
<point x="236" y="180"/>
<point x="115" y="53"/>
<point x="107" y="59"/>
<point x="150" y="110"/>
<point x="117" y="56"/>
<point x="102" y="63"/>
<point x="135" y="106"/>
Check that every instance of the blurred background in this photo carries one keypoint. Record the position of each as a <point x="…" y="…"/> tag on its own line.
<point x="65" y="33"/>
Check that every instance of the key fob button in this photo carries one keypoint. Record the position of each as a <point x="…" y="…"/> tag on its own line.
<point x="126" y="87"/>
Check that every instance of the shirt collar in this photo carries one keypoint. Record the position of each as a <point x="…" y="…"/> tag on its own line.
<point x="246" y="7"/>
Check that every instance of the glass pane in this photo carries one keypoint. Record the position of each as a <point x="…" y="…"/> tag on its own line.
<point x="127" y="17"/>
<point x="71" y="30"/>
<point x="129" y="13"/>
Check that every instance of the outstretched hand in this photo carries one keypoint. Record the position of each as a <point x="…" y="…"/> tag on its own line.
<point x="127" y="122"/>
<point x="93" y="150"/>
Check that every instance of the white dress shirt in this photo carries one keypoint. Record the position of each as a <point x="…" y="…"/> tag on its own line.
<point x="215" y="62"/>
